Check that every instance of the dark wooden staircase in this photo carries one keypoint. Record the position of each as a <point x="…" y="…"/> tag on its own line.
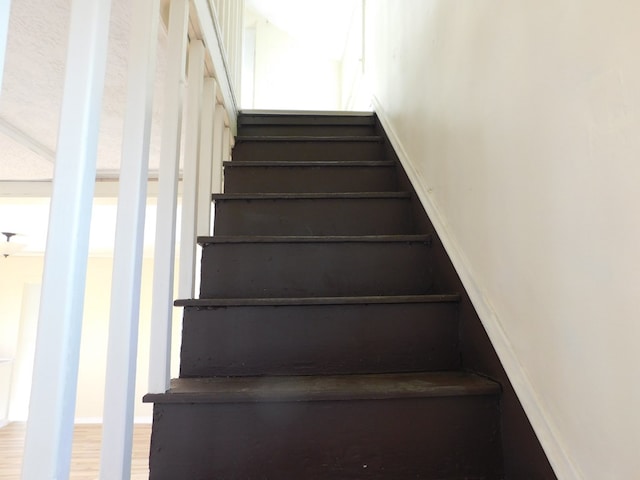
<point x="326" y="343"/>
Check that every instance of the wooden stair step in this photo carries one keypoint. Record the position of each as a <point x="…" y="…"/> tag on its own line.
<point x="320" y="130"/>
<point x="306" y="124"/>
<point x="308" y="148"/>
<point x="300" y="239"/>
<point x="431" y="426"/>
<point x="287" y="214"/>
<point x="364" y="300"/>
<point x="312" y="119"/>
<point x="313" y="336"/>
<point x="295" y="139"/>
<point x="318" y="164"/>
<point x="309" y="138"/>
<point x="317" y="388"/>
<point x="309" y="196"/>
<point x="319" y="176"/>
<point x="307" y="266"/>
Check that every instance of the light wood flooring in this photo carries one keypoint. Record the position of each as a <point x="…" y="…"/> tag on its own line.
<point x="85" y="461"/>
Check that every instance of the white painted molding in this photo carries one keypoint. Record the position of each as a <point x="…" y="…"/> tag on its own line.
<point x="143" y="420"/>
<point x="5" y="9"/>
<point x="544" y="427"/>
<point x="26" y="140"/>
<point x="211" y="33"/>
<point x="42" y="189"/>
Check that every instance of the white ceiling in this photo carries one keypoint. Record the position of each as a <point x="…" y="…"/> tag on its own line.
<point x="33" y="84"/>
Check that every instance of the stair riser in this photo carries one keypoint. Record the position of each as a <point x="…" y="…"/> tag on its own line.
<point x="329" y="269"/>
<point x="307" y="130"/>
<point x="307" y="151"/>
<point x="432" y="438"/>
<point x="268" y="119"/>
<point x="319" y="339"/>
<point x="308" y="179"/>
<point x="314" y="217"/>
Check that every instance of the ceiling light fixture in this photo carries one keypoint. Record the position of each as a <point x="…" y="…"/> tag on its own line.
<point x="10" y="248"/>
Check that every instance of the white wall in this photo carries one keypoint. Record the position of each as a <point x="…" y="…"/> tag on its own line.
<point x="288" y="75"/>
<point x="28" y="216"/>
<point x="521" y="123"/>
<point x="353" y="91"/>
<point x="28" y="269"/>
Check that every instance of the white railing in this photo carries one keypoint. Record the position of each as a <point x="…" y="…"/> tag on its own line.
<point x="209" y="35"/>
<point x="214" y="32"/>
<point x="211" y="31"/>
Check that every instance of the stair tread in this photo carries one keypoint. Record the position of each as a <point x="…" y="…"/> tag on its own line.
<point x="250" y="302"/>
<point x="325" y="388"/>
<point x="204" y="240"/>
<point x="307" y="138"/>
<point x="306" y="119"/>
<point x="309" y="196"/>
<point x="314" y="164"/>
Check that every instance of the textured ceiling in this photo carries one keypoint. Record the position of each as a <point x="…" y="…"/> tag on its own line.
<point x="35" y="66"/>
<point x="33" y="84"/>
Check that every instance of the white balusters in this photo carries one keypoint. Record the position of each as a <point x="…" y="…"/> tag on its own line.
<point x="119" y="399"/>
<point x="164" y="260"/>
<point x="53" y="395"/>
<point x="190" y="170"/>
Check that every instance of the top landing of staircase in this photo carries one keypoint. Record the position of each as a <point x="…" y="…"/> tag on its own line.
<point x="292" y="124"/>
<point x="277" y="117"/>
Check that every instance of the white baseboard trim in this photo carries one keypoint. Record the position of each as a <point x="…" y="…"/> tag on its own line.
<point x="544" y="427"/>
<point x="98" y="420"/>
<point x="88" y="421"/>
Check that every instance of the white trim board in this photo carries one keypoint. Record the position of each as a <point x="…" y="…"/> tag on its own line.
<point x="143" y="420"/>
<point x="543" y="425"/>
<point x="107" y="188"/>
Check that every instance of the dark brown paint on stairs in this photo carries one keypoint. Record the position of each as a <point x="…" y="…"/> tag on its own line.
<point x="332" y="338"/>
<point x="309" y="339"/>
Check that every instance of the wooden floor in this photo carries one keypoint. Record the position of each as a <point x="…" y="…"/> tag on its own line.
<point x="85" y="462"/>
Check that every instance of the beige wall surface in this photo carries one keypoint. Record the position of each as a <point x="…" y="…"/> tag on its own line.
<point x="19" y="271"/>
<point x="520" y="123"/>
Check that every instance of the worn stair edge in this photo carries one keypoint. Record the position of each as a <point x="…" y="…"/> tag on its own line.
<point x="313" y="164"/>
<point x="314" y="388"/>
<point x="306" y="138"/>
<point x="208" y="240"/>
<point x="303" y="301"/>
<point x="311" y="196"/>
